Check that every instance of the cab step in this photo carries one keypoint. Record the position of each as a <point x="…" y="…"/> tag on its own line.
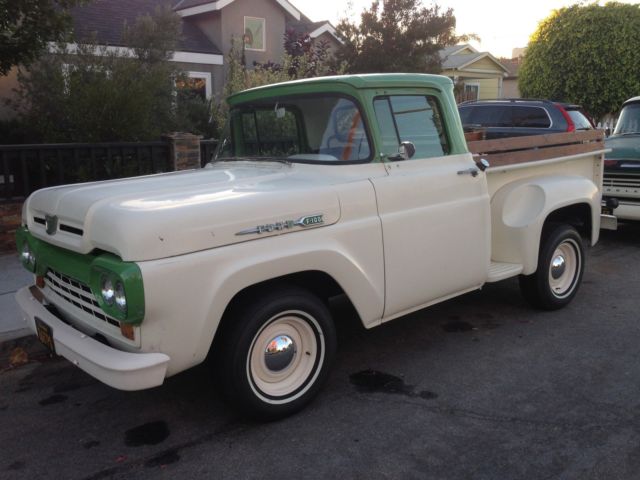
<point x="500" y="270"/>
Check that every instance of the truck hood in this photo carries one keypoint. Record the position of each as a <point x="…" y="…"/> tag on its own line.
<point x="159" y="216"/>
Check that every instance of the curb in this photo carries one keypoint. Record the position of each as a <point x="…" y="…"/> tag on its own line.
<point x="14" y="334"/>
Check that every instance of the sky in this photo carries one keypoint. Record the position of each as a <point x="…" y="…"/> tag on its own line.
<point x="501" y="25"/>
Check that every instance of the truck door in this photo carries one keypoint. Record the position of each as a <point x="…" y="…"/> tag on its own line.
<point x="434" y="208"/>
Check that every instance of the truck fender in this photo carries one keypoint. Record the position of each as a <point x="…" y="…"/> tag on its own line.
<point x="364" y="288"/>
<point x="519" y="211"/>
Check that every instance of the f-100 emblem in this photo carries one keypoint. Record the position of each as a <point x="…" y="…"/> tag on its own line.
<point x="306" y="221"/>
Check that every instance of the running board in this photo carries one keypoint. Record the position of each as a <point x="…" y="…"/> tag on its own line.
<point x="499" y="271"/>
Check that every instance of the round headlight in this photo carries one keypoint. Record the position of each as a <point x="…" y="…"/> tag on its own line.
<point x="121" y="299"/>
<point x="106" y="290"/>
<point x="27" y="255"/>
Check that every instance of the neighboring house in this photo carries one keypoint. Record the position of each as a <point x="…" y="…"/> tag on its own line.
<point x="478" y="75"/>
<point x="510" y="83"/>
<point x="207" y="28"/>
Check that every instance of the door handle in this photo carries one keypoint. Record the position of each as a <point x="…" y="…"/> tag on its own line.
<point x="473" y="171"/>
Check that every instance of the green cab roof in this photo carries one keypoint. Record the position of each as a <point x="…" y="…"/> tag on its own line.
<point x="372" y="80"/>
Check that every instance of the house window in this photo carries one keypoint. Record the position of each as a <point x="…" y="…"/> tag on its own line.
<point x="254" y="34"/>
<point x="471" y="91"/>
<point x="195" y="84"/>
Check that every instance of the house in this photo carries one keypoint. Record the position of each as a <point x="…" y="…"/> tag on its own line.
<point x="477" y="75"/>
<point x="207" y="29"/>
<point x="510" y="83"/>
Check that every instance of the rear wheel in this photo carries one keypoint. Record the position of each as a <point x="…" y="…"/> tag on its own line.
<point x="278" y="353"/>
<point x="560" y="269"/>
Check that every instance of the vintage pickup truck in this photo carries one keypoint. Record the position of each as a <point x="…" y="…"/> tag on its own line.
<point x="362" y="186"/>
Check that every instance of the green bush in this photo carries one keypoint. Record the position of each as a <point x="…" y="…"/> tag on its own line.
<point x="585" y="54"/>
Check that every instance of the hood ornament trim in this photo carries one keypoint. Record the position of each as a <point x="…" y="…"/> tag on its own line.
<point x="51" y="224"/>
<point x="306" y="221"/>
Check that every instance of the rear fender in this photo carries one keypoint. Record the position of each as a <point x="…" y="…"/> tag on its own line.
<point x="519" y="211"/>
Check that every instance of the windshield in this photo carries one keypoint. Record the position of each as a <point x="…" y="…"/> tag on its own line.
<point x="297" y="129"/>
<point x="629" y="121"/>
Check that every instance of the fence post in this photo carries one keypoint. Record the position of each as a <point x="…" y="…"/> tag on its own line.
<point x="184" y="150"/>
<point x="10" y="220"/>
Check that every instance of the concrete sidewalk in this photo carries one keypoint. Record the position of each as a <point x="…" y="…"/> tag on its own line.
<point x="13" y="276"/>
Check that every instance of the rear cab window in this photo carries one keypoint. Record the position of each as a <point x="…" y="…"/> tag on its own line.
<point x="411" y="118"/>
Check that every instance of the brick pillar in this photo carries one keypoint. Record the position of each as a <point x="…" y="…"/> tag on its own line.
<point x="184" y="150"/>
<point x="10" y="219"/>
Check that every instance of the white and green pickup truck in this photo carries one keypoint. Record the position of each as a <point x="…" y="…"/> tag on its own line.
<point x="362" y="186"/>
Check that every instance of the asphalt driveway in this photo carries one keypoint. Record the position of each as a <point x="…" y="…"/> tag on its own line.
<point x="481" y="387"/>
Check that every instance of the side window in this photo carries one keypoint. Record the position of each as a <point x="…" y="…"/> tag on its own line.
<point x="530" y="117"/>
<point x="411" y="118"/>
<point x="487" y="115"/>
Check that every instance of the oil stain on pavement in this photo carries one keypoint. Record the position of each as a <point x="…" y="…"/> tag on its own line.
<point x="151" y="433"/>
<point x="372" y="381"/>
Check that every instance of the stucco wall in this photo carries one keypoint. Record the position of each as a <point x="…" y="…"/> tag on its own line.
<point x="220" y="26"/>
<point x="510" y="88"/>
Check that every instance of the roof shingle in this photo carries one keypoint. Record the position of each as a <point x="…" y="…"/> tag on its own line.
<point x="106" y="19"/>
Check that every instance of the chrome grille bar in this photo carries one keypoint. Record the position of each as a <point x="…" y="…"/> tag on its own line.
<point x="77" y="294"/>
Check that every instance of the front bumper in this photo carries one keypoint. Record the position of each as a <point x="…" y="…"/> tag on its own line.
<point x="118" y="369"/>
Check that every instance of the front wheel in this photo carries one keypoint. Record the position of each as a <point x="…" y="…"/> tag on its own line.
<point x="559" y="272"/>
<point x="278" y="353"/>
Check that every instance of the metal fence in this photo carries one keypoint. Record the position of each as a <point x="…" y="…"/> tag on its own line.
<point x="26" y="168"/>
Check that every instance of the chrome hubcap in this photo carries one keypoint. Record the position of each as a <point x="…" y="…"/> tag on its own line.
<point x="279" y="353"/>
<point x="285" y="357"/>
<point x="564" y="268"/>
<point x="558" y="266"/>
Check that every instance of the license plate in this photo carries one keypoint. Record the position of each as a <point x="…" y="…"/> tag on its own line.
<point x="45" y="335"/>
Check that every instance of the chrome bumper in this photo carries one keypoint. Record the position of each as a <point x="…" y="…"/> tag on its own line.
<point x="608" y="222"/>
<point x="118" y="369"/>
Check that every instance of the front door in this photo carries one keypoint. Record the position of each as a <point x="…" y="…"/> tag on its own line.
<point x="435" y="214"/>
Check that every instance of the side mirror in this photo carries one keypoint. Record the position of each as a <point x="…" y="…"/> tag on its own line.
<point x="407" y="150"/>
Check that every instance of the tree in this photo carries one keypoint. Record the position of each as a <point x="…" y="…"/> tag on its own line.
<point x="404" y="36"/>
<point x="585" y="54"/>
<point x="95" y="94"/>
<point x="26" y="27"/>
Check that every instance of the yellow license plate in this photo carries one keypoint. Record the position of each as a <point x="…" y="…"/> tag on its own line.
<point x="45" y="335"/>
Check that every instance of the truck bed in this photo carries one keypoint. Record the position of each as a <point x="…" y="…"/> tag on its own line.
<point x="511" y="159"/>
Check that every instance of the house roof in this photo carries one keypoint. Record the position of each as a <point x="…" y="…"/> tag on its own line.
<point x="454" y="49"/>
<point x="106" y="19"/>
<point x="451" y="60"/>
<point x="186" y="8"/>
<point x="313" y="29"/>
<point x="512" y="65"/>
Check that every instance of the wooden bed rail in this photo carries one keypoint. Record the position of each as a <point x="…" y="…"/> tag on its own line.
<point x="509" y="151"/>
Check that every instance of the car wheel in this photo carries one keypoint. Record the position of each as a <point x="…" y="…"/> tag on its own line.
<point x="560" y="269"/>
<point x="278" y="353"/>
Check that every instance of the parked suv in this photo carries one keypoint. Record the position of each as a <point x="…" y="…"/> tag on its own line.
<point x="517" y="117"/>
